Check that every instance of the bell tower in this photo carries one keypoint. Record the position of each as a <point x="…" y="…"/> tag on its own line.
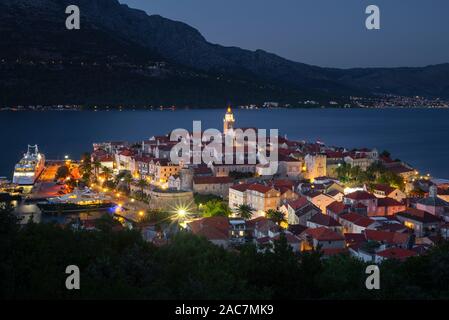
<point x="228" y="121"/>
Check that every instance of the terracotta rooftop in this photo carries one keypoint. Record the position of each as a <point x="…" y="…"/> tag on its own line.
<point x="242" y="187"/>
<point x="386" y="237"/>
<point x="213" y="228"/>
<point x="324" y="220"/>
<point x="212" y="180"/>
<point x="357" y="219"/>
<point x="388" y="202"/>
<point x="418" y="215"/>
<point x="336" y="207"/>
<point x="324" y="234"/>
<point x="259" y="188"/>
<point x="396" y="253"/>
<point x="298" y="203"/>
<point x="360" y="195"/>
<point x="384" y="188"/>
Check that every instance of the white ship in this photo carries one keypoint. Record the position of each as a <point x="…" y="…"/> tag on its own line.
<point x="29" y="167"/>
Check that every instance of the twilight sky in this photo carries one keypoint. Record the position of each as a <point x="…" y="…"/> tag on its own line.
<point x="320" y="32"/>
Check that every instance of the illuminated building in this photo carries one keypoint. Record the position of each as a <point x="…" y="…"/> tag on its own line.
<point x="228" y="121"/>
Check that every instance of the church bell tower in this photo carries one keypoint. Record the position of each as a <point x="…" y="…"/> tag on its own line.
<point x="228" y="121"/>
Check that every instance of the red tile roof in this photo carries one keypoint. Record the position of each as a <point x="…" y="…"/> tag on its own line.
<point x="352" y="238"/>
<point x="212" y="180"/>
<point x="334" y="154"/>
<point x="213" y="228"/>
<point x="126" y="153"/>
<point x="106" y="158"/>
<point x="386" y="237"/>
<point x="418" y="215"/>
<point x="252" y="223"/>
<point x="324" y="234"/>
<point x="298" y="203"/>
<point x="357" y="219"/>
<point x="360" y="195"/>
<point x="202" y="170"/>
<point x="396" y="253"/>
<point x="282" y="183"/>
<point x="259" y="188"/>
<point x="242" y="187"/>
<point x="388" y="202"/>
<point x="384" y="188"/>
<point x="145" y="159"/>
<point x="336" y="207"/>
<point x="324" y="220"/>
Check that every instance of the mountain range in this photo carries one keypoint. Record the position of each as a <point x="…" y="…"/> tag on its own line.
<point x="123" y="56"/>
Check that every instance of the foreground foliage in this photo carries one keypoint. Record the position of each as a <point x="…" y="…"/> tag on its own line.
<point x="121" y="265"/>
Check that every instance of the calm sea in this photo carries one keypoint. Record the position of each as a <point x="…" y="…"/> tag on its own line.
<point x="417" y="136"/>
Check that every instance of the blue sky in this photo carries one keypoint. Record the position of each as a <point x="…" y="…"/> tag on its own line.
<point x="320" y="32"/>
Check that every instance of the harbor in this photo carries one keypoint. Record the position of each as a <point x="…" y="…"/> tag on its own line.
<point x="36" y="192"/>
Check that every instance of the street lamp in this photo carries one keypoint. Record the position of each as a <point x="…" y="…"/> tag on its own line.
<point x="182" y="213"/>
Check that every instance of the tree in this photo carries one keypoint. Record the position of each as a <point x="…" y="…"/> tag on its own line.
<point x="107" y="172"/>
<point x="97" y="166"/>
<point x="86" y="167"/>
<point x="124" y="179"/>
<point x="385" y="154"/>
<point x="62" y="172"/>
<point x="245" y="211"/>
<point x="142" y="184"/>
<point x="276" y="216"/>
<point x="216" y="208"/>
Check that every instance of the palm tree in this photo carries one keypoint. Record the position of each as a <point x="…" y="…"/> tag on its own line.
<point x="97" y="167"/>
<point x="142" y="183"/>
<point x="276" y="216"/>
<point x="128" y="178"/>
<point x="245" y="211"/>
<point x="107" y="173"/>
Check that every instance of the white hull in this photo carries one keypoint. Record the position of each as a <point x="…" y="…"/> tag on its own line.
<point x="29" y="168"/>
<point x="27" y="180"/>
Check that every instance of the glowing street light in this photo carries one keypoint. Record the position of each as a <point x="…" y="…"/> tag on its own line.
<point x="182" y="213"/>
<point x="141" y="213"/>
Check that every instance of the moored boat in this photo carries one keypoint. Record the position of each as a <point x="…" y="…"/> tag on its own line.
<point x="29" y="167"/>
